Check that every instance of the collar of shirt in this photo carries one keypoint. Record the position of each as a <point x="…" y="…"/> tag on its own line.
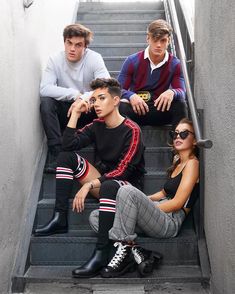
<point x="152" y="65"/>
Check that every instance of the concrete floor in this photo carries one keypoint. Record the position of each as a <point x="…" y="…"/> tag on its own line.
<point x="166" y="288"/>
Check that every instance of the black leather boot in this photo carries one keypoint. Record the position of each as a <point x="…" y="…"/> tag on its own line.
<point x="123" y="261"/>
<point x="57" y="225"/>
<point x="92" y="267"/>
<point x="146" y="260"/>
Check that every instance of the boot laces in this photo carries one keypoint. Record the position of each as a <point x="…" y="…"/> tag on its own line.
<point x="138" y="255"/>
<point x="119" y="255"/>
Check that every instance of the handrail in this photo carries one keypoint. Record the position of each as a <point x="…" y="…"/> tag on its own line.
<point x="205" y="143"/>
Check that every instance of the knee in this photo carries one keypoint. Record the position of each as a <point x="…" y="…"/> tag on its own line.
<point x="126" y="109"/>
<point x="47" y="105"/>
<point x="125" y="192"/>
<point x="109" y="189"/>
<point x="65" y="158"/>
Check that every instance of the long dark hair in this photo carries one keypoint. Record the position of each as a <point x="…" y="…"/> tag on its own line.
<point x="176" y="158"/>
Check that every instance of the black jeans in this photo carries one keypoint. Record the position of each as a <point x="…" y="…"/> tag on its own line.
<point x="54" y="118"/>
<point x="154" y="117"/>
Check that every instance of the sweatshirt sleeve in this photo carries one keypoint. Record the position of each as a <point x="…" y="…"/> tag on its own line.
<point x="100" y="70"/>
<point x="76" y="139"/>
<point x="125" y="78"/>
<point x="49" y="87"/>
<point x="178" y="84"/>
<point x="130" y="158"/>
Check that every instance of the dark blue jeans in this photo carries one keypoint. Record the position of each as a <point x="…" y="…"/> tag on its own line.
<point x="178" y="110"/>
<point x="54" y="118"/>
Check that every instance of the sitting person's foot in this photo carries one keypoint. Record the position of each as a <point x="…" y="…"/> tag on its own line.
<point x="145" y="259"/>
<point x="57" y="225"/>
<point x="93" y="266"/>
<point x="51" y="163"/>
<point x="122" y="262"/>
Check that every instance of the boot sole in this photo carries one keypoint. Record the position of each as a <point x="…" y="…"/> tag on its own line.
<point x="49" y="234"/>
<point x="131" y="267"/>
<point x="85" y="277"/>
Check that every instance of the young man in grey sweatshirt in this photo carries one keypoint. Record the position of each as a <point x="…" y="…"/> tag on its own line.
<point x="65" y="80"/>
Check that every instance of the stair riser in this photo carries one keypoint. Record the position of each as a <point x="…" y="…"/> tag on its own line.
<point x="119" y="38"/>
<point x="152" y="183"/>
<point x="105" y="15"/>
<point x="115" y="26"/>
<point x="94" y="6"/>
<point x="77" y="221"/>
<point x="114" y="64"/>
<point x="78" y="251"/>
<point x="117" y="51"/>
<point x="156" y="137"/>
<point x="158" y="161"/>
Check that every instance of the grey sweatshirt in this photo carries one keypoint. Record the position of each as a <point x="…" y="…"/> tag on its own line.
<point x="65" y="81"/>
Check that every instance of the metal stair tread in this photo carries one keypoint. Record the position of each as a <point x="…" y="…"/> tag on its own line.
<point x="105" y="22"/>
<point x="163" y="273"/>
<point x="88" y="235"/>
<point x="118" y="45"/>
<point x="48" y="202"/>
<point x="123" y="11"/>
<point x="119" y="32"/>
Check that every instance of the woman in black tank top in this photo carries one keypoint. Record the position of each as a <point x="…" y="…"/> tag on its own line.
<point x="159" y="215"/>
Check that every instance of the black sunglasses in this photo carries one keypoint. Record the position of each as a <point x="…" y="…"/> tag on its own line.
<point x="183" y="135"/>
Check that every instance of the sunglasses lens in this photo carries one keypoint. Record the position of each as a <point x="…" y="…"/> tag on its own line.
<point x="173" y="134"/>
<point x="184" y="134"/>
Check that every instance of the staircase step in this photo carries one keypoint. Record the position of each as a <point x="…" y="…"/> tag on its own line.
<point x="118" y="49"/>
<point x="114" y="73"/>
<point x="80" y="221"/>
<point x="114" y="63"/>
<point x="120" y="6"/>
<point x="119" y="37"/>
<point x="117" y="25"/>
<point x="162" y="274"/>
<point x="153" y="181"/>
<point x="75" y="248"/>
<point x="118" y="15"/>
<point x="156" y="136"/>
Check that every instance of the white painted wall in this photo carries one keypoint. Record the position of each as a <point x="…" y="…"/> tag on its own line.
<point x="215" y="92"/>
<point x="27" y="36"/>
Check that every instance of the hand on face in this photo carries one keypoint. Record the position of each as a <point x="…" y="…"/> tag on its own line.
<point x="78" y="107"/>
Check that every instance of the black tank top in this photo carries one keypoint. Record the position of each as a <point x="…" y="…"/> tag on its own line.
<point x="171" y="186"/>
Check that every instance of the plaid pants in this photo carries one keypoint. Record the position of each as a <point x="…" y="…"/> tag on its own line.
<point x="134" y="209"/>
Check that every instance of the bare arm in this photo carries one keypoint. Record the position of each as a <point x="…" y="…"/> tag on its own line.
<point x="158" y="195"/>
<point x="189" y="179"/>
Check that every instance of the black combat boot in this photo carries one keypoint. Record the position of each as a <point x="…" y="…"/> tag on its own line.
<point x="92" y="267"/>
<point x="146" y="260"/>
<point x="57" y="225"/>
<point x="122" y="262"/>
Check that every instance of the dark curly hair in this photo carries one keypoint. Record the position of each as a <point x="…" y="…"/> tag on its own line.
<point x="113" y="86"/>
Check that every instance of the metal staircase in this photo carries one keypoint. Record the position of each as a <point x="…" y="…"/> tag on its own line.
<point x="119" y="30"/>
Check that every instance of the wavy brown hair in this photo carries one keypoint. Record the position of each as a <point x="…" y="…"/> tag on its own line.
<point x="176" y="158"/>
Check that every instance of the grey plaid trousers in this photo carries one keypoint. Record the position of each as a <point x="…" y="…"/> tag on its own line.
<point x="136" y="212"/>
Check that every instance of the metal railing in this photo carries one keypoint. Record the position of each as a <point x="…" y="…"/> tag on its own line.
<point x="171" y="16"/>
